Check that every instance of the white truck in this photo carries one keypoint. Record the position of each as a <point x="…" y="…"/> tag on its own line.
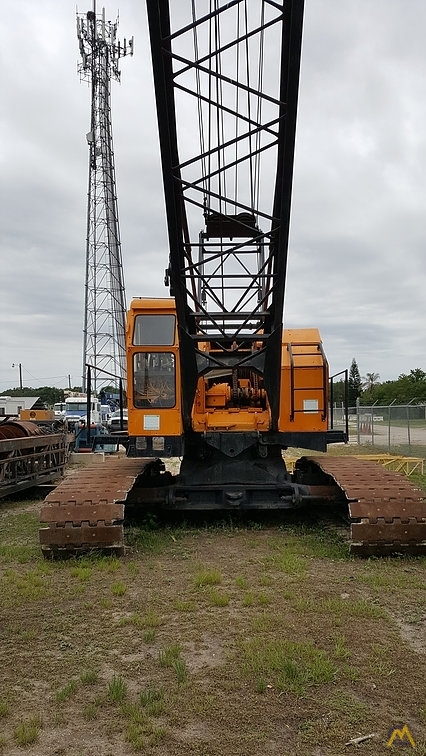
<point x="74" y="409"/>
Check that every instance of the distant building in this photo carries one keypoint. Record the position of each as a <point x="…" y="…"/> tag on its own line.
<point x="12" y="405"/>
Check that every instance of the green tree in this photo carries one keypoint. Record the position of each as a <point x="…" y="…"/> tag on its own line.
<point x="409" y="387"/>
<point x="49" y="395"/>
<point x="338" y="392"/>
<point x="369" y="381"/>
<point x="415" y="376"/>
<point x="354" y="383"/>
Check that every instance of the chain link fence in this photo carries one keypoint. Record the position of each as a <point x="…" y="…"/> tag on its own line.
<point x="396" y="428"/>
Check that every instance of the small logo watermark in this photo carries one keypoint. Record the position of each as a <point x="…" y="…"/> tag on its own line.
<point x="400" y="736"/>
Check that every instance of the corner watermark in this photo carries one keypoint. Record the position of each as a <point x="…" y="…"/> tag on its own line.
<point x="400" y="736"/>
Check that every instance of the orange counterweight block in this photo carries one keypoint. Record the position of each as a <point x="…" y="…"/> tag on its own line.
<point x="304" y="382"/>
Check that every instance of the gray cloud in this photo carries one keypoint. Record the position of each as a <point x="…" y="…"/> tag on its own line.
<point x="356" y="264"/>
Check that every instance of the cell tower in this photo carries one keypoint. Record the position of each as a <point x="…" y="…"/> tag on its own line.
<point x="104" y="307"/>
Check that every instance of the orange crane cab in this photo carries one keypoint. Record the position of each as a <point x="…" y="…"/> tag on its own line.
<point x="154" y="378"/>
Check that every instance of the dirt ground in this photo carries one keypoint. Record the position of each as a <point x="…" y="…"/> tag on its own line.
<point x="209" y="639"/>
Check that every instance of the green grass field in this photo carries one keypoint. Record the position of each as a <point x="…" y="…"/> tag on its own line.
<point x="234" y="636"/>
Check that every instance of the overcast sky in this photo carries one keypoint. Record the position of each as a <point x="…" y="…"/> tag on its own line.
<point x="357" y="267"/>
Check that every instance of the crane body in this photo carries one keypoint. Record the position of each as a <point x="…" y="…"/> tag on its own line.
<point x="231" y="455"/>
<point x="244" y="389"/>
<point x="213" y="377"/>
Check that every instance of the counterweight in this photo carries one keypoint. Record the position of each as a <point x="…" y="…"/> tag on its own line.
<point x="105" y="306"/>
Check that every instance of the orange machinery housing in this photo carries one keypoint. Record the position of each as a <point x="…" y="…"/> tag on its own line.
<point x="222" y="402"/>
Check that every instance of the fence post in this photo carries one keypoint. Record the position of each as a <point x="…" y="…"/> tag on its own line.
<point x="408" y="428"/>
<point x="372" y="423"/>
<point x="389" y="426"/>
<point x="357" y="422"/>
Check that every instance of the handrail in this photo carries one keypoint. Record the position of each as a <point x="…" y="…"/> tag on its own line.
<point x="346" y="402"/>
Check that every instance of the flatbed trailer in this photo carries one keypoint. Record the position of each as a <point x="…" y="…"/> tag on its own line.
<point x="31" y="461"/>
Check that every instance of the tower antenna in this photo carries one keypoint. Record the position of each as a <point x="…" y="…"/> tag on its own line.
<point x="104" y="306"/>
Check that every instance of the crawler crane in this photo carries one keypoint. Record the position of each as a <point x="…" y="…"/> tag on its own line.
<point x="213" y="377"/>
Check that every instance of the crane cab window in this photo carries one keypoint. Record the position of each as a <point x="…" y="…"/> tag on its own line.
<point x="154" y="330"/>
<point x="154" y="379"/>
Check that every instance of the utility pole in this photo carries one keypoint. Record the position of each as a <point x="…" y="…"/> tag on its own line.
<point x="105" y="306"/>
<point x="18" y="365"/>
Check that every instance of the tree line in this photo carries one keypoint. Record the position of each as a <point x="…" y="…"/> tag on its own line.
<point x="408" y="387"/>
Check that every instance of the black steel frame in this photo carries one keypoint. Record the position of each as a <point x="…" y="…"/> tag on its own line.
<point x="242" y="251"/>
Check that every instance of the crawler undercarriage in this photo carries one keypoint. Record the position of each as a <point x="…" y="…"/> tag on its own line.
<point x="385" y="511"/>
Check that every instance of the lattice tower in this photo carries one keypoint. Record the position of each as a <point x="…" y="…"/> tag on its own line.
<point x="104" y="307"/>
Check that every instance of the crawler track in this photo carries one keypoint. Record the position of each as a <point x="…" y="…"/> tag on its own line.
<point x="387" y="511"/>
<point x="87" y="509"/>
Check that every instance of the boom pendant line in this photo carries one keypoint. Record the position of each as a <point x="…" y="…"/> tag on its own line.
<point x="105" y="305"/>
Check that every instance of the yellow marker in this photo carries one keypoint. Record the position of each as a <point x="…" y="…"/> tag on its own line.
<point x="401" y="734"/>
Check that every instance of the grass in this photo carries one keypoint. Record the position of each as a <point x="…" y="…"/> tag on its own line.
<point x="387" y="574"/>
<point x="179" y="666"/>
<point x="418" y="479"/>
<point x="207" y="577"/>
<point x="288" y="562"/>
<point x="347" y="706"/>
<point x="89" y="677"/>
<point x="168" y="655"/>
<point x="148" y="541"/>
<point x="90" y="711"/>
<point x="308" y="539"/>
<point x="23" y="586"/>
<point x="287" y="665"/>
<point x="140" y="731"/>
<point x="117" y="690"/>
<point x="67" y="691"/>
<point x="340" y="607"/>
<point x="220" y="635"/>
<point x="81" y="572"/>
<point x="218" y="599"/>
<point x="341" y="650"/>
<point x="259" y="598"/>
<point x="182" y="605"/>
<point x="153" y="701"/>
<point x="118" y="589"/>
<point x="27" y="731"/>
<point x="136" y="736"/>
<point x="142" y="736"/>
<point x="241" y="582"/>
<point x="149" y="619"/>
